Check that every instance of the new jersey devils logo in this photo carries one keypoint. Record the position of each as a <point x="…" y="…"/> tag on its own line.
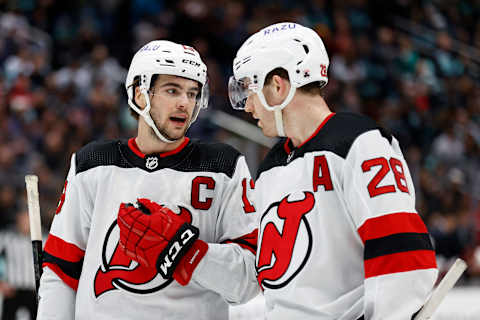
<point x="286" y="241"/>
<point x="118" y="271"/>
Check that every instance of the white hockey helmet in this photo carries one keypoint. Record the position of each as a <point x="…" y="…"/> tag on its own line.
<point x="165" y="57"/>
<point x="291" y="46"/>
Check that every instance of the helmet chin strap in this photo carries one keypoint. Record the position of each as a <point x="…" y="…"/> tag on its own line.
<point x="277" y="109"/>
<point x="145" y="114"/>
<point x="279" y="122"/>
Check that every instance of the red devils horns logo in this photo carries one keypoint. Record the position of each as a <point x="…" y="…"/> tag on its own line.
<point x="119" y="271"/>
<point x="286" y="241"/>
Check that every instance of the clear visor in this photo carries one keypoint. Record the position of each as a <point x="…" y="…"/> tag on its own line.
<point x="202" y="101"/>
<point x="239" y="90"/>
<point x="202" y="98"/>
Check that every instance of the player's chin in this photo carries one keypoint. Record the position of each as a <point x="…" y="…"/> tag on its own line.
<point x="177" y="133"/>
<point x="268" y="132"/>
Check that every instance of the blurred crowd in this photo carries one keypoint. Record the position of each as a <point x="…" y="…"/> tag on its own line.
<point x="411" y="65"/>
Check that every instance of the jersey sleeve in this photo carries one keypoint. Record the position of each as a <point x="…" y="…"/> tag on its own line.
<point x="64" y="249"/>
<point x="57" y="299"/>
<point x="228" y="268"/>
<point x="399" y="260"/>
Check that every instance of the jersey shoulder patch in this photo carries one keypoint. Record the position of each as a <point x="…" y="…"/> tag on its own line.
<point x="211" y="157"/>
<point x="337" y="136"/>
<point x="99" y="153"/>
<point x="340" y="132"/>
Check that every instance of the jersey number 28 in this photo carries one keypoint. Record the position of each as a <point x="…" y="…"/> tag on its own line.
<point x="395" y="166"/>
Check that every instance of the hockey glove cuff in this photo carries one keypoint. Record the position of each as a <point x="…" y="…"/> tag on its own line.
<point x="184" y="270"/>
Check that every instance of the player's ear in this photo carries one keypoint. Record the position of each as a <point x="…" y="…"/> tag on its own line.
<point x="139" y="98"/>
<point x="277" y="90"/>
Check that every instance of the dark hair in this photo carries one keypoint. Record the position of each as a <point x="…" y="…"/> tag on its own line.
<point x="312" y="88"/>
<point x="135" y="84"/>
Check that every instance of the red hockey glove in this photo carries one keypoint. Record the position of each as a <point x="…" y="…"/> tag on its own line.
<point x="157" y="237"/>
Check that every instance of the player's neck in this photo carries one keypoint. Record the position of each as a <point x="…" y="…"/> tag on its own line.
<point x="303" y="117"/>
<point x="148" y="143"/>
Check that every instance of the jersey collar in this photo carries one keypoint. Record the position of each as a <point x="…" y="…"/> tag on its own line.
<point x="155" y="161"/>
<point x="132" y="144"/>
<point x="289" y="147"/>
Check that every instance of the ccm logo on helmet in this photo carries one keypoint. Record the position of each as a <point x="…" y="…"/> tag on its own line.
<point x="191" y="62"/>
<point x="181" y="242"/>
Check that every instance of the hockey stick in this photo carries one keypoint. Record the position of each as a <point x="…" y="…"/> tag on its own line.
<point x="441" y="290"/>
<point x="35" y="226"/>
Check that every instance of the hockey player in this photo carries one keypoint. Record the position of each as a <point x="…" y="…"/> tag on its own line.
<point x="203" y="188"/>
<point x="339" y="236"/>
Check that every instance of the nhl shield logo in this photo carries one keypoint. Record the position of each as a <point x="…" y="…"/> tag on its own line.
<point x="290" y="156"/>
<point x="151" y="162"/>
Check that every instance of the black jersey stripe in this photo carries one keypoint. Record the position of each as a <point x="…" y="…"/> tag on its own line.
<point x="244" y="242"/>
<point x="396" y="243"/>
<point x="71" y="269"/>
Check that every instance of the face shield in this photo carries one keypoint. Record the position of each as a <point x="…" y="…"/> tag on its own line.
<point x="202" y="101"/>
<point x="239" y="90"/>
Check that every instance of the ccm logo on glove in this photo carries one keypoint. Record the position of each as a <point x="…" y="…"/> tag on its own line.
<point x="180" y="244"/>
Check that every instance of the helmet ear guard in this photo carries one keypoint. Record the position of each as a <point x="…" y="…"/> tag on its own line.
<point x="165" y="58"/>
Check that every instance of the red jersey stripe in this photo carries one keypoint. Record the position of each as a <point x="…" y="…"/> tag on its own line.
<point x="176" y="150"/>
<point x="286" y="145"/>
<point x="132" y="144"/>
<point x="248" y="241"/>
<point x="243" y="246"/>
<point x="63" y="250"/>
<point x="69" y="281"/>
<point x="389" y="224"/>
<point x="400" y="262"/>
<point x="317" y="130"/>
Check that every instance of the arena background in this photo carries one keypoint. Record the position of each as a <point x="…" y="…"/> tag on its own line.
<point x="414" y="66"/>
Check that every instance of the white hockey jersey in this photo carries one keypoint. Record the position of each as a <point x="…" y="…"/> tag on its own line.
<point x="339" y="236"/>
<point x="85" y="270"/>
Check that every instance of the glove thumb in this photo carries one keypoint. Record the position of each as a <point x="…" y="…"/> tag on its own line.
<point x="147" y="206"/>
